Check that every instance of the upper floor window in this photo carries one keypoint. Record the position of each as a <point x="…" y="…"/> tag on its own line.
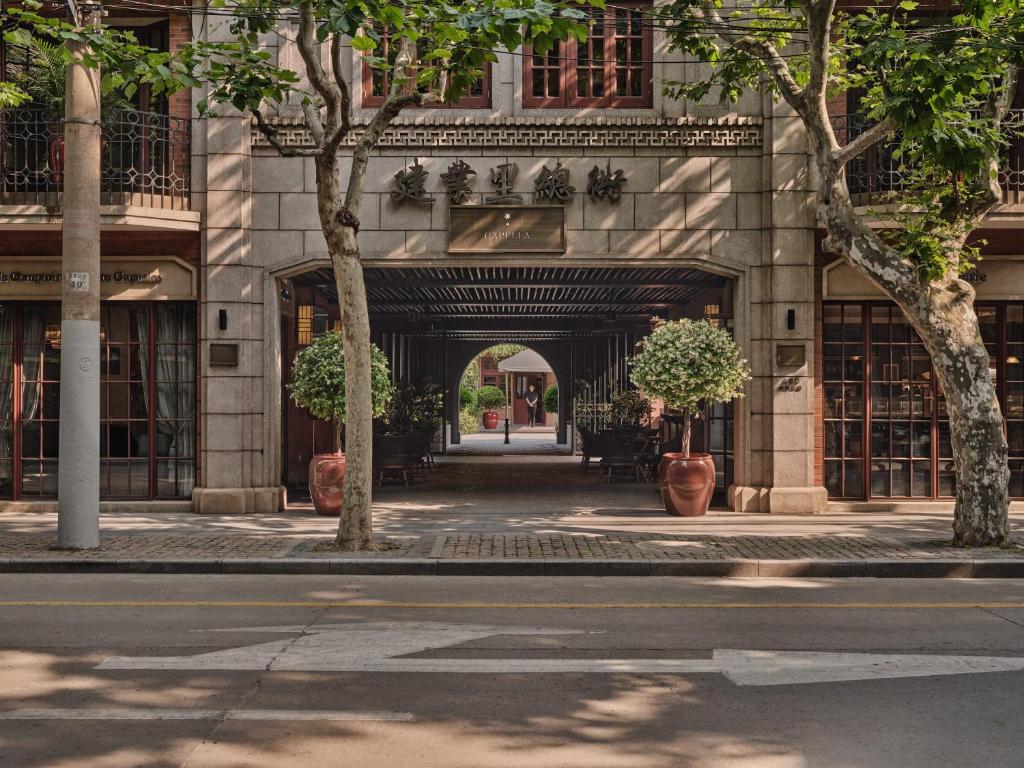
<point x="612" y="68"/>
<point x="377" y="82"/>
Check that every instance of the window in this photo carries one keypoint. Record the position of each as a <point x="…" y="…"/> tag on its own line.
<point x="611" y="69"/>
<point x="377" y="82"/>
<point x="886" y="430"/>
<point x="147" y="399"/>
<point x="313" y="321"/>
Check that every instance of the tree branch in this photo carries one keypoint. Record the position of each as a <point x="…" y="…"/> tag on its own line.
<point x="270" y="133"/>
<point x="309" y="50"/>
<point x="344" y="125"/>
<point x="400" y="97"/>
<point x="760" y="49"/>
<point x="873" y="135"/>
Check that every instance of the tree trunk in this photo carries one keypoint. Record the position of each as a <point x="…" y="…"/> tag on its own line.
<point x="687" y="431"/>
<point x="355" y="527"/>
<point x="942" y="314"/>
<point x="944" y="318"/>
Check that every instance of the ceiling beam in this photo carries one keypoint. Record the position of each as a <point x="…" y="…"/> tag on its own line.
<point x="569" y="302"/>
<point x="392" y="283"/>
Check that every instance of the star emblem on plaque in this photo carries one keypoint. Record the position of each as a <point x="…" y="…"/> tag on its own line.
<point x="552" y="184"/>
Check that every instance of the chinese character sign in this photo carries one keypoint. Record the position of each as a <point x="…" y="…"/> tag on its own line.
<point x="410" y="184"/>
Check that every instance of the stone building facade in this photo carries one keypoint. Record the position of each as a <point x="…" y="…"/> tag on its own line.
<point x="715" y="218"/>
<point x="726" y="193"/>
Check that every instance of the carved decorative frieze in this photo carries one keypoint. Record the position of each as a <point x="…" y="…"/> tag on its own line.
<point x="552" y="133"/>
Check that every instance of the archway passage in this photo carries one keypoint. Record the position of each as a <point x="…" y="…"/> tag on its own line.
<point x="509" y="405"/>
<point x="431" y="321"/>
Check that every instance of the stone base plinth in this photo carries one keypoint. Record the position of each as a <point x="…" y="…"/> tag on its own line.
<point x="238" y="501"/>
<point x="778" y="501"/>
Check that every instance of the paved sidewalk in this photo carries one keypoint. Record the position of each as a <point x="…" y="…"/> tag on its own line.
<point x="522" y="554"/>
<point x="518" y="515"/>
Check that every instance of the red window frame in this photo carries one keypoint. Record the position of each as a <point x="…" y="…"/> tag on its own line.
<point x="564" y="62"/>
<point x="152" y="459"/>
<point x="370" y="99"/>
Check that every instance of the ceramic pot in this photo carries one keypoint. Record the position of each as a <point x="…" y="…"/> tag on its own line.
<point x="490" y="419"/>
<point x="327" y="483"/>
<point x="687" y="483"/>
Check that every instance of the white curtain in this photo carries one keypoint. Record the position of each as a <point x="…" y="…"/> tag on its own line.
<point x="142" y="324"/>
<point x="32" y="341"/>
<point x="175" y="400"/>
<point x="6" y="391"/>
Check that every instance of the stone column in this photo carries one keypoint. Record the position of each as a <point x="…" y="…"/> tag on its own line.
<point x="781" y="292"/>
<point x="236" y="467"/>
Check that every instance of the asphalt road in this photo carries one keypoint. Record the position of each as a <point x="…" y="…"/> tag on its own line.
<point x="248" y="671"/>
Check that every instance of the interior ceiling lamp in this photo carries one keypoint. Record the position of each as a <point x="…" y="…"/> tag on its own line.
<point x="52" y="336"/>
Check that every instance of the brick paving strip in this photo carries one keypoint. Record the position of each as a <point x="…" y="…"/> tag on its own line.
<point x="503" y="547"/>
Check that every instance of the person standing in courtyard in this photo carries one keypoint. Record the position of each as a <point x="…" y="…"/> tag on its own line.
<point x="532" y="402"/>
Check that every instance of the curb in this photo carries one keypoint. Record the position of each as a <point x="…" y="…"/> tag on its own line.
<point x="988" y="568"/>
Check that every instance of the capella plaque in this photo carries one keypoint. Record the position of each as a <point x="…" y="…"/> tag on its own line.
<point x="506" y="229"/>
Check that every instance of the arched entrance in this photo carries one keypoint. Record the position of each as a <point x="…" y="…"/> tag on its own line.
<point x="509" y="370"/>
<point x="431" y="321"/>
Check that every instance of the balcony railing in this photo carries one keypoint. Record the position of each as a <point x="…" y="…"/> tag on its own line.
<point x="146" y="158"/>
<point x="877" y="177"/>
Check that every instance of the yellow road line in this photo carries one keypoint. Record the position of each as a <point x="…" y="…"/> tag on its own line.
<point x="943" y="606"/>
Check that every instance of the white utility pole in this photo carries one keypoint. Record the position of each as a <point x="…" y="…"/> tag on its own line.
<point x="78" y="482"/>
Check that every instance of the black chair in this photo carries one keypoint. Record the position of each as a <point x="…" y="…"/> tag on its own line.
<point x="394" y="456"/>
<point x="591" y="447"/>
<point x="620" y="456"/>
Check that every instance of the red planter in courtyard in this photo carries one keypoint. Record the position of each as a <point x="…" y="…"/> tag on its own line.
<point x="327" y="483"/>
<point x="490" y="419"/>
<point x="687" y="483"/>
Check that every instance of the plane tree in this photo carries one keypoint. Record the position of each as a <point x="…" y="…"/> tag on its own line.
<point x="435" y="52"/>
<point x="935" y="89"/>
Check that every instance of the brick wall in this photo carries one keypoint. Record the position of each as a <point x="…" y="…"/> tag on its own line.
<point x="179" y="32"/>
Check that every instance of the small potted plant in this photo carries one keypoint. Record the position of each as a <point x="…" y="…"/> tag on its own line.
<point x="630" y="409"/>
<point x="686" y="363"/>
<point x="318" y="385"/>
<point x="489" y="398"/>
<point x="551" y="400"/>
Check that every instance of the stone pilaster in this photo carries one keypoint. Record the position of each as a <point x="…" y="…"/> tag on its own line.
<point x="781" y="404"/>
<point x="235" y="473"/>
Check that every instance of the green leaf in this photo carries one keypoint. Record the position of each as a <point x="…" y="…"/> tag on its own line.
<point x="363" y="43"/>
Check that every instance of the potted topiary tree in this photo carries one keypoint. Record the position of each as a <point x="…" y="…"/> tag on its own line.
<point x="551" y="400"/>
<point x="685" y="363"/>
<point x="489" y="398"/>
<point x="318" y="385"/>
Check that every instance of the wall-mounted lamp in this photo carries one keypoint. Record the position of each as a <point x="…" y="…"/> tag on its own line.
<point x="285" y="294"/>
<point x="222" y="319"/>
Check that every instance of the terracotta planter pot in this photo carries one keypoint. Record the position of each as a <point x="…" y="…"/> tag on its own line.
<point x="687" y="483"/>
<point x="490" y="419"/>
<point x="327" y="483"/>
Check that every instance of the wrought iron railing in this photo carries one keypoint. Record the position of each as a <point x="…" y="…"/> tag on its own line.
<point x="146" y="159"/>
<point x="876" y="177"/>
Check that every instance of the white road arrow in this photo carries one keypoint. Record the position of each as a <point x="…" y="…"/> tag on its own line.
<point x="378" y="647"/>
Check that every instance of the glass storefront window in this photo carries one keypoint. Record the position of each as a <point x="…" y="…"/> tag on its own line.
<point x="910" y="454"/>
<point x="147" y="400"/>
